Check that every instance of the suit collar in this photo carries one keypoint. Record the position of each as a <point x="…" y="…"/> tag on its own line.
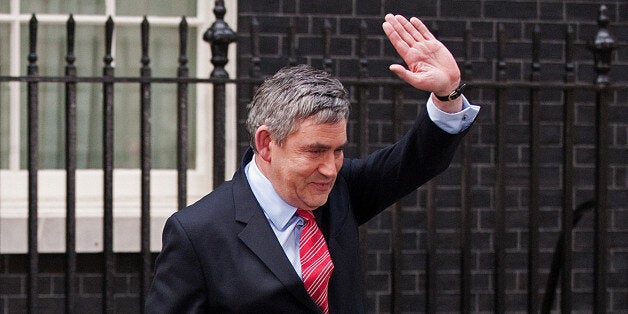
<point x="258" y="236"/>
<point x="276" y="209"/>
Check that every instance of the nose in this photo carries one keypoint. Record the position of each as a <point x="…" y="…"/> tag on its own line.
<point x="328" y="166"/>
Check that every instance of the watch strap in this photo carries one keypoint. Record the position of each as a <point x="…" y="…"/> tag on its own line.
<point x="455" y="94"/>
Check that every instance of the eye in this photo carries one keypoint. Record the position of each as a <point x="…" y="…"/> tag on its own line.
<point x="315" y="152"/>
<point x="338" y="152"/>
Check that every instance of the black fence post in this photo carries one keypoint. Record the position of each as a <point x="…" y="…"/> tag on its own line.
<point x="292" y="42"/>
<point x="396" y="262"/>
<point x="363" y="111"/>
<point x="501" y="115"/>
<point x="602" y="48"/>
<point x="534" y="180"/>
<point x="431" y="263"/>
<point x="466" y="216"/>
<point x="107" y="165"/>
<point x="145" y="162"/>
<point x="362" y="92"/>
<point x="254" y="70"/>
<point x="33" y="167"/>
<point x="568" y="172"/>
<point x="327" y="62"/>
<point x="182" y="116"/>
<point x="219" y="35"/>
<point x="70" y="164"/>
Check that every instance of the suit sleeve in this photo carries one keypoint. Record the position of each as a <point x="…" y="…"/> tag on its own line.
<point x="178" y="285"/>
<point x="389" y="174"/>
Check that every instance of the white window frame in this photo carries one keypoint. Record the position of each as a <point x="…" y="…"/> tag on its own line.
<point x="126" y="190"/>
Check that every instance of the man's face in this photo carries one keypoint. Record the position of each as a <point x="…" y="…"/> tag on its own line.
<point x="303" y="170"/>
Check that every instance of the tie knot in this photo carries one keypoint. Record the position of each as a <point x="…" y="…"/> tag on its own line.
<point x="305" y="214"/>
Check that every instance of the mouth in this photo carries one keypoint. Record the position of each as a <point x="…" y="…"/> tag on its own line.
<point x="323" y="186"/>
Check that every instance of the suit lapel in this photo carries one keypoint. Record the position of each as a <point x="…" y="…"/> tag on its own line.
<point x="258" y="236"/>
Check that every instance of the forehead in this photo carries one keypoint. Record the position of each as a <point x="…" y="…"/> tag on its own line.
<point x="309" y="130"/>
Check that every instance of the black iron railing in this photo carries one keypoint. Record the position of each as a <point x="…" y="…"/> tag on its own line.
<point x="220" y="36"/>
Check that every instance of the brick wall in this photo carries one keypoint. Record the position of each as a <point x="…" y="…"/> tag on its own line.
<point x="13" y="283"/>
<point x="451" y="17"/>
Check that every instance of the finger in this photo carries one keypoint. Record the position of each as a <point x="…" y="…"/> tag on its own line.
<point x="421" y="28"/>
<point x="397" y="22"/>
<point x="400" y="45"/>
<point x="410" y="28"/>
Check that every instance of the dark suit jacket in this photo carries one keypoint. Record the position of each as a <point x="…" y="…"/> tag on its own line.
<point x="221" y="255"/>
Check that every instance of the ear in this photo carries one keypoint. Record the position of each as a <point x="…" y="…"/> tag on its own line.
<point x="262" y="142"/>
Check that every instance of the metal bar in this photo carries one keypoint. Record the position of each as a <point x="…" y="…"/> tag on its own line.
<point x="568" y="173"/>
<point x="255" y="67"/>
<point x="327" y="62"/>
<point x="431" y="236"/>
<point x="256" y="60"/>
<point x="33" y="168"/>
<point x="363" y="73"/>
<point x="219" y="35"/>
<point x="557" y="258"/>
<point x="466" y="216"/>
<point x="601" y="179"/>
<point x="545" y="85"/>
<point x="602" y="48"/>
<point x="219" y="133"/>
<point x="292" y="42"/>
<point x="108" y="257"/>
<point x="501" y="113"/>
<point x="430" y="248"/>
<point x="363" y="109"/>
<point x="533" y="205"/>
<point x="395" y="265"/>
<point x="145" y="161"/>
<point x="182" y="117"/>
<point x="70" y="170"/>
<point x="363" y="125"/>
<point x="254" y="70"/>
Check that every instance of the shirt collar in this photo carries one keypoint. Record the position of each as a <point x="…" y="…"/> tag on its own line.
<point x="275" y="208"/>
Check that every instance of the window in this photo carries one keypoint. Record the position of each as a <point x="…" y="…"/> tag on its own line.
<point x="90" y="16"/>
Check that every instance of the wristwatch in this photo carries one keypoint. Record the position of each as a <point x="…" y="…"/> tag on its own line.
<point x="455" y="94"/>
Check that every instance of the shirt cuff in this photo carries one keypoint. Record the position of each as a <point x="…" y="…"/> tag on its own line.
<point x="453" y="123"/>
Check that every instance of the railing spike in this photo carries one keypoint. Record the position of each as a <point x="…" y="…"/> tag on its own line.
<point x="219" y="36"/>
<point x="602" y="48"/>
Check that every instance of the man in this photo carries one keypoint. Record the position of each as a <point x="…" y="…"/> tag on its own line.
<point x="245" y="247"/>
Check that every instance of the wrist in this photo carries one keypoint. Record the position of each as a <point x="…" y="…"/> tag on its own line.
<point x="451" y="94"/>
<point x="450" y="106"/>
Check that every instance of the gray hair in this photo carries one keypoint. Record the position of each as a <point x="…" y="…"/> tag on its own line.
<point x="292" y="95"/>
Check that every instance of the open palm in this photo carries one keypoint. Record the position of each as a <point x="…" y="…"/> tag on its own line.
<point x="431" y="67"/>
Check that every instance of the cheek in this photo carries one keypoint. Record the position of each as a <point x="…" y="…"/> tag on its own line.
<point x="298" y="169"/>
<point x="339" y="163"/>
<point x="304" y="165"/>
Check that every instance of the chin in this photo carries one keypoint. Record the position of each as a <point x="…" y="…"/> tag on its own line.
<point x="313" y="203"/>
<point x="315" y="200"/>
<point x="318" y="203"/>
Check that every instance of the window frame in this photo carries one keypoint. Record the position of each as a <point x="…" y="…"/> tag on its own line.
<point x="89" y="182"/>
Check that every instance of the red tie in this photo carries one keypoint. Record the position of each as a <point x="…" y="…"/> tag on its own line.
<point x="316" y="264"/>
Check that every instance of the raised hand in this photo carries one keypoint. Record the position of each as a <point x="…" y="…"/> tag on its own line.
<point x="431" y="67"/>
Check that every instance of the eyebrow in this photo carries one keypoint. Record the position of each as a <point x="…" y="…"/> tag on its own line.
<point x="323" y="146"/>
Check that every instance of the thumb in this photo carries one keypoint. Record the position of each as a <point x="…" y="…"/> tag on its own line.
<point x="404" y="74"/>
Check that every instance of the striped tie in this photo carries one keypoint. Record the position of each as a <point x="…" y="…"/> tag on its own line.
<point x="316" y="264"/>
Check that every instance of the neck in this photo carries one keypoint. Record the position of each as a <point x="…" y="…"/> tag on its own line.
<point x="262" y="165"/>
